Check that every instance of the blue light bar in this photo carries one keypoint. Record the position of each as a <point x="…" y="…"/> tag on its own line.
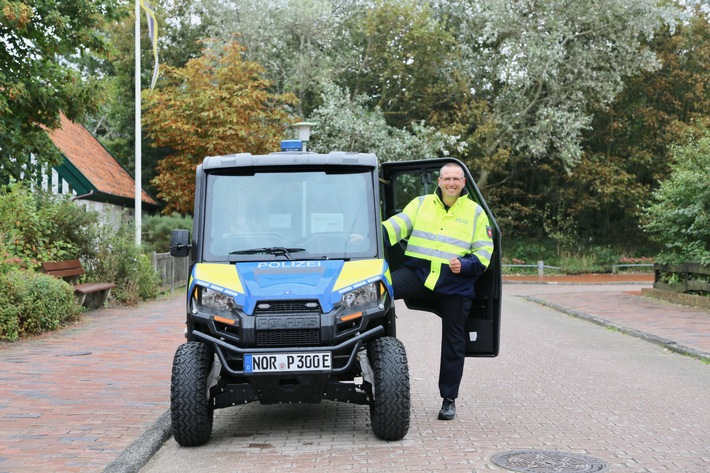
<point x="291" y="145"/>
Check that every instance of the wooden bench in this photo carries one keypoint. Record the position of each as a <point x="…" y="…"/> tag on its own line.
<point x="91" y="295"/>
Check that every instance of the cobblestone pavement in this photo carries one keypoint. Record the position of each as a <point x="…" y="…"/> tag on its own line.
<point x="74" y="400"/>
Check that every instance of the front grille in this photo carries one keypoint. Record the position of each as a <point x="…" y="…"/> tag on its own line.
<point x="285" y="338"/>
<point x="275" y="307"/>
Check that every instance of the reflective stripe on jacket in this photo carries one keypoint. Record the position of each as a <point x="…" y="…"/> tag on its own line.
<point x="437" y="234"/>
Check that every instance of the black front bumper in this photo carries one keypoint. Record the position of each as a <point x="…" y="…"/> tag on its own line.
<point x="238" y="387"/>
<point x="350" y="346"/>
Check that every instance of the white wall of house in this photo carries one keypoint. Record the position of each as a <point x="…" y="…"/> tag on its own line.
<point x="111" y="213"/>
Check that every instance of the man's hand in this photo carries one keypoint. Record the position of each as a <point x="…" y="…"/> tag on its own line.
<point x="455" y="265"/>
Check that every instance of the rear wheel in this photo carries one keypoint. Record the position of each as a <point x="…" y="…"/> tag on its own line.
<point x="190" y="408"/>
<point x="390" y="402"/>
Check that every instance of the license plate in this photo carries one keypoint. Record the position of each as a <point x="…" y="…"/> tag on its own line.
<point x="287" y="362"/>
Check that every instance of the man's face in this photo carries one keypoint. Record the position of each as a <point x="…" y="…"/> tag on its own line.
<point x="451" y="181"/>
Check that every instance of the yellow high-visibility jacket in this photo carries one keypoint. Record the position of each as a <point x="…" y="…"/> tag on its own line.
<point x="437" y="234"/>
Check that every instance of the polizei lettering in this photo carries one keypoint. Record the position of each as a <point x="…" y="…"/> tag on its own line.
<point x="289" y="264"/>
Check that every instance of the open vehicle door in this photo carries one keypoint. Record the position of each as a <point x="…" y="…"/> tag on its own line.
<point x="401" y="182"/>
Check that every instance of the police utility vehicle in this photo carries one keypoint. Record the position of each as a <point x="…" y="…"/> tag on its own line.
<point x="289" y="298"/>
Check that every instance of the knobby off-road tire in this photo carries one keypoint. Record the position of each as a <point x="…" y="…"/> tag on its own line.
<point x="390" y="403"/>
<point x="190" y="408"/>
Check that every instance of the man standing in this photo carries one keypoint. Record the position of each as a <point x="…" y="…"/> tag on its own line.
<point x="450" y="243"/>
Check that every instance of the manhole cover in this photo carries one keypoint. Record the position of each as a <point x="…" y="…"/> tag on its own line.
<point x="546" y="461"/>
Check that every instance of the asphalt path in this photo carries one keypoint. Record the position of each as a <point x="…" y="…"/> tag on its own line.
<point x="559" y="384"/>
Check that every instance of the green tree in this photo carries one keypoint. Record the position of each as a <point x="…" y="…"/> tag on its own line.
<point x="626" y="152"/>
<point x="43" y="44"/>
<point x="184" y="24"/>
<point x="299" y="44"/>
<point x="679" y="217"/>
<point x="404" y="60"/>
<point x="217" y="104"/>
<point x="114" y="122"/>
<point x="628" y="144"/>
<point x="541" y="67"/>
<point x="349" y="124"/>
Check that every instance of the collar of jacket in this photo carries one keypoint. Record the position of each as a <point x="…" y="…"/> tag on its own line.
<point x="440" y="198"/>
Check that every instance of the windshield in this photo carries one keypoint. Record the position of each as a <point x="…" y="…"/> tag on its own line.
<point x="289" y="215"/>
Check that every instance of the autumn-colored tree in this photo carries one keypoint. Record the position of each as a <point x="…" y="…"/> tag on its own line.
<point x="217" y="104"/>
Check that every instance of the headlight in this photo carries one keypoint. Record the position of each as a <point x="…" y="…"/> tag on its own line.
<point x="362" y="295"/>
<point x="217" y="300"/>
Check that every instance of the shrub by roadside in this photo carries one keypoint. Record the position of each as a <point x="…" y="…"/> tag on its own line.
<point x="120" y="261"/>
<point x="157" y="230"/>
<point x="32" y="303"/>
<point x="36" y="226"/>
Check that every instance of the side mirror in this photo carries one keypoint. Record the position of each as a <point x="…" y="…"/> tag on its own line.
<point x="180" y="243"/>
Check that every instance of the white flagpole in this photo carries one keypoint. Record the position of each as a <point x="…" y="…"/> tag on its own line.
<point x="138" y="211"/>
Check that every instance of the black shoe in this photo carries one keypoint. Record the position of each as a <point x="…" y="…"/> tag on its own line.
<point x="448" y="409"/>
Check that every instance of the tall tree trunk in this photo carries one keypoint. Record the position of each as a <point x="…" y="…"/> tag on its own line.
<point x="483" y="179"/>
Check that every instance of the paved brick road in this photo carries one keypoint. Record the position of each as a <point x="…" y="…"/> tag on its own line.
<point x="72" y="401"/>
<point x="560" y="384"/>
<point x="681" y="328"/>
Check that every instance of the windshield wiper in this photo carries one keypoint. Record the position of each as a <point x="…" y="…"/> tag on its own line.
<point x="273" y="250"/>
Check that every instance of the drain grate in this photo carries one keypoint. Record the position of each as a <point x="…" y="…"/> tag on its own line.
<point x="547" y="461"/>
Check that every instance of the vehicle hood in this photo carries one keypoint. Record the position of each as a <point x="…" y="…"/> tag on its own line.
<point x="322" y="280"/>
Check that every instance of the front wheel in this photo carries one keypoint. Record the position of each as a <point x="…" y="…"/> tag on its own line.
<point x="190" y="408"/>
<point x="390" y="401"/>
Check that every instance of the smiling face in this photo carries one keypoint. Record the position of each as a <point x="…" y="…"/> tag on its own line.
<point x="451" y="182"/>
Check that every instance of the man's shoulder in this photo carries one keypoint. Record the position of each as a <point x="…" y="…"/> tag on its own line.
<point x="419" y="200"/>
<point x="468" y="202"/>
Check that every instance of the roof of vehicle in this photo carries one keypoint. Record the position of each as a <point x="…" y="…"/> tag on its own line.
<point x="290" y="158"/>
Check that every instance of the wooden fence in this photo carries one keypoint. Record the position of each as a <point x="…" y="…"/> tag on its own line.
<point x="685" y="278"/>
<point x="173" y="272"/>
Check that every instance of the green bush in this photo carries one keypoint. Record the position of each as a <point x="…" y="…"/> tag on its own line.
<point x="156" y="230"/>
<point x="53" y="228"/>
<point x="38" y="226"/>
<point x="679" y="218"/>
<point x="582" y="263"/>
<point x="32" y="303"/>
<point x="579" y="260"/>
<point x="72" y="224"/>
<point x="529" y="251"/>
<point x="121" y="261"/>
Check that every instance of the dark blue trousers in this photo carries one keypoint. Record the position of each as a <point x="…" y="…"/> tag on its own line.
<point x="454" y="310"/>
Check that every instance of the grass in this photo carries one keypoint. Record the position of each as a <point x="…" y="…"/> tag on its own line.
<point x="570" y="262"/>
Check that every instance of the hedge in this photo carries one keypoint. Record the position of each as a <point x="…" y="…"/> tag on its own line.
<point x="32" y="303"/>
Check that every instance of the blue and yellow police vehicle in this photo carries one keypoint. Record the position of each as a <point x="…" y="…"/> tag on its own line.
<point x="289" y="298"/>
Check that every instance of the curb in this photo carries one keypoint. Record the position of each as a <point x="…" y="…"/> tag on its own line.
<point x="664" y="342"/>
<point x="141" y="450"/>
<point x="690" y="300"/>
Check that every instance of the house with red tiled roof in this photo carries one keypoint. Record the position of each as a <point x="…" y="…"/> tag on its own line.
<point x="92" y="174"/>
